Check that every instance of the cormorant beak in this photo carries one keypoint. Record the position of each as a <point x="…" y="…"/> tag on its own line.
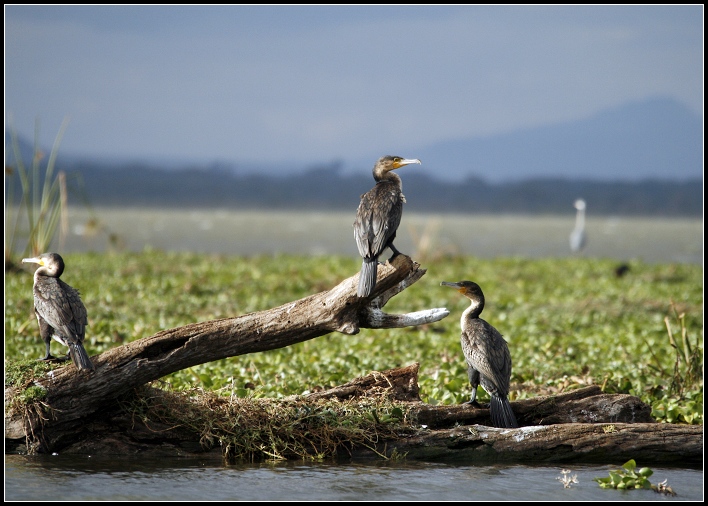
<point x="457" y="286"/>
<point x="34" y="260"/>
<point x="405" y="161"/>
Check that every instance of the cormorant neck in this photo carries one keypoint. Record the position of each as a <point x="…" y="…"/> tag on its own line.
<point x="387" y="176"/>
<point x="46" y="272"/>
<point x="41" y="273"/>
<point x="475" y="309"/>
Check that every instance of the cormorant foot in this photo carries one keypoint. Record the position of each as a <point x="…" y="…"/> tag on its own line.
<point x="52" y="358"/>
<point x="474" y="404"/>
<point x="394" y="252"/>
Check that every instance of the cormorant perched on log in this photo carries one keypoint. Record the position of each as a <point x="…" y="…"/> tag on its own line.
<point x="578" y="237"/>
<point x="60" y="313"/>
<point x="487" y="356"/>
<point x="377" y="219"/>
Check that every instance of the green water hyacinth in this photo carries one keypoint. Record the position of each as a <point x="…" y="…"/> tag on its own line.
<point x="627" y="478"/>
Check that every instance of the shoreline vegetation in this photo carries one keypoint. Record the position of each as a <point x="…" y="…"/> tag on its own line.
<point x="570" y="323"/>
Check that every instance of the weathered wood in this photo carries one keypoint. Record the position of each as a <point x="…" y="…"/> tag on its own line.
<point x="400" y="384"/>
<point x="583" y="425"/>
<point x="585" y="405"/>
<point x="73" y="395"/>
<point x="648" y="443"/>
<point x="620" y="429"/>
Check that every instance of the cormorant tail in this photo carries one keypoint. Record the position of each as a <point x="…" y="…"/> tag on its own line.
<point x="79" y="356"/>
<point x="367" y="277"/>
<point x="502" y="415"/>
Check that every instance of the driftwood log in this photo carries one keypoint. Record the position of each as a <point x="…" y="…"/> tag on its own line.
<point x="581" y="425"/>
<point x="584" y="425"/>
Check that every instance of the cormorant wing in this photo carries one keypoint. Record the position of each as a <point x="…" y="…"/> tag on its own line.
<point x="489" y="353"/>
<point x="377" y="219"/>
<point x="61" y="307"/>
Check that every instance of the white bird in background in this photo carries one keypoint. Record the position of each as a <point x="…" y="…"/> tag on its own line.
<point x="577" y="236"/>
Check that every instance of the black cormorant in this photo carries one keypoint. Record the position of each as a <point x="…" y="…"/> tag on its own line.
<point x="60" y="313"/>
<point x="577" y="236"/>
<point x="487" y="356"/>
<point x="377" y="219"/>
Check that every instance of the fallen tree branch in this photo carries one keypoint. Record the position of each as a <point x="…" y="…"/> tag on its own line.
<point x="72" y="395"/>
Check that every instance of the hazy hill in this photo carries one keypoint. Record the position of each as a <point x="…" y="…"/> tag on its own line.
<point x="657" y="138"/>
<point x="640" y="159"/>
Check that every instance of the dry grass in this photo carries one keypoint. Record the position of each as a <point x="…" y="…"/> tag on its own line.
<point x="250" y="429"/>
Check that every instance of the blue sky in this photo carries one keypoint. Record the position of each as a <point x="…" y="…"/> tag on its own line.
<point x="306" y="84"/>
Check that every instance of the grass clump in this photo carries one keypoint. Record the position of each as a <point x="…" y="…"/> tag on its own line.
<point x="19" y="373"/>
<point x="21" y="376"/>
<point x="251" y="429"/>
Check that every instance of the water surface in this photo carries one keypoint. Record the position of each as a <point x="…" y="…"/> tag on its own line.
<point x="85" y="478"/>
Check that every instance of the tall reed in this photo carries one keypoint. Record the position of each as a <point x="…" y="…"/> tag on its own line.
<point x="43" y="203"/>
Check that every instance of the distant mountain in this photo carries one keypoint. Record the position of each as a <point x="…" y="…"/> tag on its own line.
<point x="657" y="138"/>
<point x="640" y="159"/>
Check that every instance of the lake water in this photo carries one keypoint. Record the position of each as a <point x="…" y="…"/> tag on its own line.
<point x="85" y="478"/>
<point x="653" y="240"/>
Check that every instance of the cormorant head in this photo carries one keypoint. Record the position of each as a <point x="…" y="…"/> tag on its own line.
<point x="469" y="289"/>
<point x="388" y="163"/>
<point x="50" y="264"/>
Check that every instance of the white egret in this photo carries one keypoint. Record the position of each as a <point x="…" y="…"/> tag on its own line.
<point x="578" y="237"/>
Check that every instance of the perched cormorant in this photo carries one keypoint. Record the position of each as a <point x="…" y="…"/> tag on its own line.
<point x="60" y="313"/>
<point x="487" y="356"/>
<point x="577" y="236"/>
<point x="377" y="219"/>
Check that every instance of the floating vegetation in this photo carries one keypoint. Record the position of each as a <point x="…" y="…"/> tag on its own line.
<point x="564" y="332"/>
<point x="629" y="477"/>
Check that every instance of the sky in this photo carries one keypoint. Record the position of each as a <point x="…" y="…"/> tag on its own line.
<point x="301" y="84"/>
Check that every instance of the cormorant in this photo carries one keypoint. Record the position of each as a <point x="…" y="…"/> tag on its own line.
<point x="377" y="219"/>
<point x="577" y="236"/>
<point x="487" y="356"/>
<point x="60" y="313"/>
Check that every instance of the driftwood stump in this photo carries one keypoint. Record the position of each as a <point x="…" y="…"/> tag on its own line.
<point x="82" y="414"/>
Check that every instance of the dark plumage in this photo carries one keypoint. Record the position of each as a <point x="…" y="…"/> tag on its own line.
<point x="487" y="356"/>
<point x="621" y="270"/>
<point x="377" y="219"/>
<point x="60" y="313"/>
